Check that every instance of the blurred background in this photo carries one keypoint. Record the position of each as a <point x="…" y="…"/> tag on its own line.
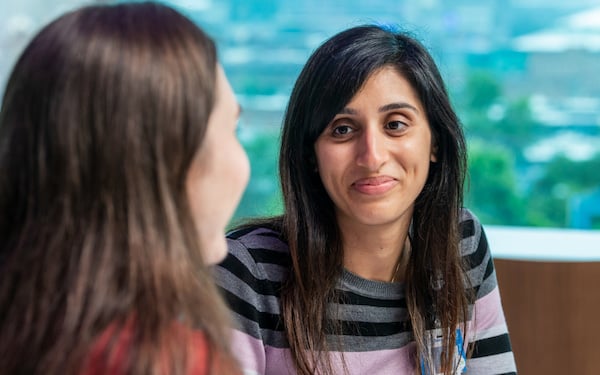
<point x="523" y="76"/>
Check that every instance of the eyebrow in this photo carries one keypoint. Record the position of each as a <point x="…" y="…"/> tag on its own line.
<point x="385" y="108"/>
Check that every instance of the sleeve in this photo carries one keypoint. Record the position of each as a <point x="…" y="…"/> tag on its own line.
<point x="239" y="279"/>
<point x="204" y="361"/>
<point x="488" y="334"/>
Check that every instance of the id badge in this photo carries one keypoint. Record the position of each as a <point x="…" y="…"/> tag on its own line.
<point x="434" y="346"/>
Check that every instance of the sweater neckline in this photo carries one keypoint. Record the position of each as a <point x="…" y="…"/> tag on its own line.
<point x="371" y="288"/>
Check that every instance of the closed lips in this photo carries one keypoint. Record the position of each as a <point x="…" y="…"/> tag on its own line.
<point x="373" y="181"/>
<point x="374" y="185"/>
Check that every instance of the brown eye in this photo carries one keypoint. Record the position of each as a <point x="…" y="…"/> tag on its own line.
<point x="395" y="125"/>
<point x="342" y="130"/>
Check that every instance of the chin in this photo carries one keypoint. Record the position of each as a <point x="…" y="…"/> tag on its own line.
<point x="213" y="252"/>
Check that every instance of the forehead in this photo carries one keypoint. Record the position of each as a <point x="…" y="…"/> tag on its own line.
<point x="386" y="84"/>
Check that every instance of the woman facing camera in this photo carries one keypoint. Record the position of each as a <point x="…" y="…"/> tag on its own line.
<point x="120" y="171"/>
<point x="374" y="267"/>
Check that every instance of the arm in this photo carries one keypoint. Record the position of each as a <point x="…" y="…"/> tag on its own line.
<point x="488" y="333"/>
<point x="250" y="279"/>
<point x="233" y="276"/>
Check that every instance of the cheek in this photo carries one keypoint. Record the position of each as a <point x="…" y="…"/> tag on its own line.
<point x="197" y="195"/>
<point x="224" y="178"/>
<point x="237" y="165"/>
<point x="328" y="160"/>
<point x="331" y="172"/>
<point x="418" y="152"/>
<point x="229" y="178"/>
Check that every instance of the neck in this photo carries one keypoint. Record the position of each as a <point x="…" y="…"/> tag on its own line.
<point x="399" y="272"/>
<point x="376" y="252"/>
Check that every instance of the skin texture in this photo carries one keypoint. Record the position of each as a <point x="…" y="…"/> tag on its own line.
<point x="373" y="159"/>
<point x="218" y="175"/>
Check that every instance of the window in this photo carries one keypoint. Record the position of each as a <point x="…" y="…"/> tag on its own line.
<point x="526" y="88"/>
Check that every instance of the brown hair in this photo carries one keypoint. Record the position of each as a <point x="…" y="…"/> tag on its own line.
<point x="435" y="279"/>
<point x="101" y="118"/>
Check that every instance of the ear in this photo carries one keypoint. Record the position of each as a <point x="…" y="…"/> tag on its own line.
<point x="434" y="151"/>
<point x="312" y="160"/>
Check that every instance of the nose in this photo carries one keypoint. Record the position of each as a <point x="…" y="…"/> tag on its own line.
<point x="372" y="150"/>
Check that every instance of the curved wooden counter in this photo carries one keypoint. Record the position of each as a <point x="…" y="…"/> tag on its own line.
<point x="551" y="299"/>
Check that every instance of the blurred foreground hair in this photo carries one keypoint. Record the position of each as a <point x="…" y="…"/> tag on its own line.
<point x="101" y="118"/>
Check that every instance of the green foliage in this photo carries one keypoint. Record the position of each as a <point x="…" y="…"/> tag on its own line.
<point x="517" y="129"/>
<point x="262" y="196"/>
<point x="489" y="116"/>
<point x="482" y="91"/>
<point x="576" y="176"/>
<point x="561" y="181"/>
<point x="499" y="130"/>
<point x="492" y="189"/>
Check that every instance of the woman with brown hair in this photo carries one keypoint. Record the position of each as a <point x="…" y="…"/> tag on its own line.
<point x="374" y="267"/>
<point x="120" y="170"/>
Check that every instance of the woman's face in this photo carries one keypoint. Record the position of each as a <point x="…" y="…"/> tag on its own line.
<point x="373" y="158"/>
<point x="219" y="174"/>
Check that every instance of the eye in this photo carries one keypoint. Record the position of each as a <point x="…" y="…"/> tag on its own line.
<point x="342" y="130"/>
<point x="396" y="125"/>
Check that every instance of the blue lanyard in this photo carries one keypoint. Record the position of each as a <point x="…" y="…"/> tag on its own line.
<point x="460" y="352"/>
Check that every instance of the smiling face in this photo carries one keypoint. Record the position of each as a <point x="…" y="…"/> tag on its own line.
<point x="218" y="175"/>
<point x="373" y="157"/>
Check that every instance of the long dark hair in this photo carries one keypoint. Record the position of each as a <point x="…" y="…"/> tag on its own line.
<point x="435" y="283"/>
<point x="101" y="118"/>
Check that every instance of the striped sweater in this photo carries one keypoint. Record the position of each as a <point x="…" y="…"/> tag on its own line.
<point x="376" y="329"/>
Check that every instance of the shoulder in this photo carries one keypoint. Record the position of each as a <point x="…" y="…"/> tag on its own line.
<point x="257" y="241"/>
<point x="472" y="236"/>
<point x="256" y="265"/>
<point x="257" y="248"/>
<point x="110" y="352"/>
<point x="250" y="279"/>
<point x="475" y="250"/>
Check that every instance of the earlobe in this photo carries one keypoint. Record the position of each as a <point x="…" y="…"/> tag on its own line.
<point x="313" y="163"/>
<point x="433" y="156"/>
<point x="434" y="148"/>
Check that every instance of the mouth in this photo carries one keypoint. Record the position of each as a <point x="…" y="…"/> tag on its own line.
<point x="374" y="185"/>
